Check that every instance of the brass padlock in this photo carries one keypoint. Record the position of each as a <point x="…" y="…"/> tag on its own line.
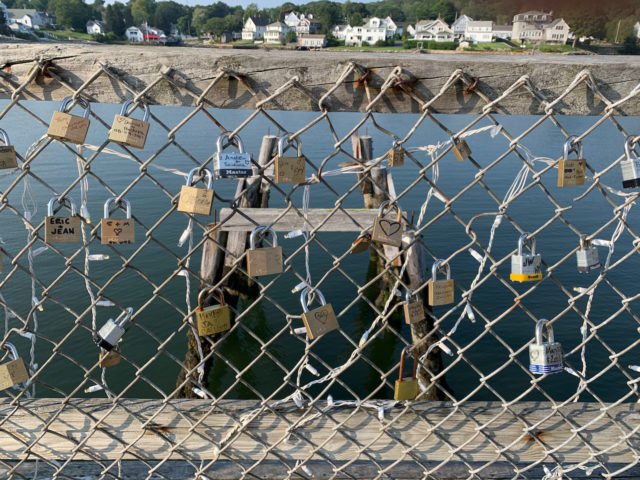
<point x="385" y="231"/>
<point x="197" y="201"/>
<point x="67" y="127"/>
<point x="264" y="261"/>
<point x="8" y="157"/>
<point x="407" y="388"/>
<point x="62" y="229"/>
<point x="117" y="231"/>
<point x="572" y="171"/>
<point x="319" y="320"/>
<point x="289" y="169"/>
<point x="396" y="155"/>
<point x="109" y="358"/>
<point x="13" y="372"/>
<point x="215" y="318"/>
<point x="440" y="291"/>
<point x="361" y="244"/>
<point x="129" y="131"/>
<point x="413" y="311"/>
<point x="460" y="149"/>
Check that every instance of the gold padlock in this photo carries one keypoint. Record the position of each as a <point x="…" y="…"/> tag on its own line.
<point x="407" y="388"/>
<point x="129" y="131"/>
<point x="62" y="229"/>
<point x="197" y="201"/>
<point x="460" y="149"/>
<point x="413" y="311"/>
<point x="117" y="231"/>
<point x="385" y="231"/>
<point x="109" y="358"/>
<point x="440" y="291"/>
<point x="289" y="169"/>
<point x="396" y="155"/>
<point x="572" y="171"/>
<point x="319" y="320"/>
<point x="8" y="157"/>
<point x="264" y="261"/>
<point x="67" y="127"/>
<point x="361" y="244"/>
<point x="215" y="318"/>
<point x="13" y="372"/>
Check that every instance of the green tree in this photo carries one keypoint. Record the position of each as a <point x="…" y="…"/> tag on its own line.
<point x="392" y="10"/>
<point x="184" y="24"/>
<point x="71" y="13"/>
<point x="214" y="26"/>
<point x="630" y="46"/>
<point x="4" y="28"/>
<point x="443" y="9"/>
<point x="199" y="18"/>
<point x="291" y="37"/>
<point x="356" y="20"/>
<point x="166" y="14"/>
<point x="252" y="10"/>
<point x="115" y="19"/>
<point x="97" y="9"/>
<point x="142" y="11"/>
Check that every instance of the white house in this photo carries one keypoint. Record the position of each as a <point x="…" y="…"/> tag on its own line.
<point x="392" y="27"/>
<point x="436" y="30"/>
<point x="276" y="32"/>
<point x="291" y="19"/>
<point x="411" y="31"/>
<point x="636" y="30"/>
<point x="309" y="40"/>
<point x="369" y="33"/>
<point x="502" y="31"/>
<point x="254" y="28"/>
<point x="134" y="34"/>
<point x="539" y="27"/>
<point x="28" y="17"/>
<point x="340" y="32"/>
<point x="460" y="25"/>
<point x="307" y="25"/>
<point x="479" y="31"/>
<point x="96" y="27"/>
<point x="375" y="23"/>
<point x="556" y="32"/>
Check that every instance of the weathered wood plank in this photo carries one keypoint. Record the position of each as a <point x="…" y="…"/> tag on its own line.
<point x="74" y="422"/>
<point x="246" y="219"/>
<point x="193" y="69"/>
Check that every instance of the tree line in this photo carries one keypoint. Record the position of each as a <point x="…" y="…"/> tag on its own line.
<point x="603" y="20"/>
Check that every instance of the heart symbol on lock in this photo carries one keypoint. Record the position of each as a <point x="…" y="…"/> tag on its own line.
<point x="117" y="231"/>
<point x="321" y="317"/>
<point x="534" y="355"/>
<point x="388" y="227"/>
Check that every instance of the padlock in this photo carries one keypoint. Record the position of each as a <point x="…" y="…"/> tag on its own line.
<point x="62" y="229"/>
<point x="127" y="131"/>
<point x="545" y="357"/>
<point x="413" y="311"/>
<point x="112" y="331"/>
<point x="14" y="372"/>
<point x="386" y="231"/>
<point x="109" y="358"/>
<point x="231" y="165"/>
<point x="264" y="261"/>
<point x="8" y="157"/>
<point x="631" y="166"/>
<point x="117" y="231"/>
<point x="460" y="149"/>
<point x="67" y="127"/>
<point x="407" y="388"/>
<point x="396" y="155"/>
<point x="571" y="171"/>
<point x="361" y="244"/>
<point x="289" y="169"/>
<point x="215" y="318"/>
<point x="587" y="256"/>
<point x="526" y="268"/>
<point x="319" y="320"/>
<point x="197" y="201"/>
<point x="440" y="291"/>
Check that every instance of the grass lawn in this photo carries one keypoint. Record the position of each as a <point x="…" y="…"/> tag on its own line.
<point x="65" y="34"/>
<point x="369" y="48"/>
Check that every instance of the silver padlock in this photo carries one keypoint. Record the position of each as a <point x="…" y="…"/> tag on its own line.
<point x="112" y="331"/>
<point x="526" y="267"/>
<point x="631" y="166"/>
<point x="587" y="256"/>
<point x="545" y="357"/>
<point x="231" y="165"/>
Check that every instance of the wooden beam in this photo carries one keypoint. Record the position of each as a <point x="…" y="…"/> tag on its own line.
<point x="420" y="427"/>
<point x="246" y="219"/>
<point x="191" y="70"/>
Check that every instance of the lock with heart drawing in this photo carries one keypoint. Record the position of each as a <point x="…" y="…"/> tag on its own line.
<point x="116" y="231"/>
<point x="319" y="320"/>
<point x="387" y="231"/>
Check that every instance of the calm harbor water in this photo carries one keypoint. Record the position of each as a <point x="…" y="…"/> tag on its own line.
<point x="484" y="344"/>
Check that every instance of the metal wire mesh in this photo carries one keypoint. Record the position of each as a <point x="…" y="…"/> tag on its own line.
<point x="310" y="412"/>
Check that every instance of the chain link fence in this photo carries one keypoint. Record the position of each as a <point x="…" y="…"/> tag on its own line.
<point x="261" y="398"/>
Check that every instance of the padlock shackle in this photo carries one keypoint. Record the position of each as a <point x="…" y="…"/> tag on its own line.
<point x="396" y="143"/>
<point x="303" y="298"/>
<point x="205" y="291"/>
<point x="390" y="205"/>
<point x="285" y="142"/>
<point x="407" y="295"/>
<point x="584" y="243"/>
<point x="204" y="171"/>
<point x="125" y="107"/>
<point x="80" y="101"/>
<point x="440" y="263"/>
<point x="629" y="146"/>
<point x="257" y="230"/>
<point x="542" y="323"/>
<point x="521" y="241"/>
<point x="572" y="145"/>
<point x="13" y="351"/>
<point x="113" y="200"/>
<point x="124" y="317"/>
<point x="415" y="362"/>
<point x="60" y="200"/>
<point x="235" y="140"/>
<point x="5" y="137"/>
